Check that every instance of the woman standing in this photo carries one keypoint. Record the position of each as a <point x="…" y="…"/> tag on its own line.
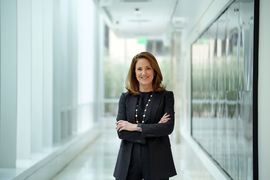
<point x="144" y="121"/>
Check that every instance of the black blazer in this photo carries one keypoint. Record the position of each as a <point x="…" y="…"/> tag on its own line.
<point x="161" y="161"/>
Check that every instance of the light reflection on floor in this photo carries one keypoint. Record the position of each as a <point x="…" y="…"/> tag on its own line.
<point x="97" y="161"/>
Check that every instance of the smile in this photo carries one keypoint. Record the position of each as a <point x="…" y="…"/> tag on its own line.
<point x="145" y="77"/>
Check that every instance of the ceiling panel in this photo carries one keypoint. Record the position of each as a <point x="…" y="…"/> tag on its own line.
<point x="152" y="19"/>
<point x="154" y="16"/>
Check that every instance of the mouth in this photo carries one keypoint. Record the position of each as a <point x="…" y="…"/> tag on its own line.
<point x="145" y="77"/>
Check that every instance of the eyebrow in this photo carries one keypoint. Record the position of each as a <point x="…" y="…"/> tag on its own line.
<point x="145" y="66"/>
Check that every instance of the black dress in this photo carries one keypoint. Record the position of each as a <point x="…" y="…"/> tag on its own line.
<point x="139" y="166"/>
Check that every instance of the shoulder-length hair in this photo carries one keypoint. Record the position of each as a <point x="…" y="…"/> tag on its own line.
<point x="132" y="84"/>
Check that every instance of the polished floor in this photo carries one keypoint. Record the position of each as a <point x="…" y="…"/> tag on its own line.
<point x="97" y="161"/>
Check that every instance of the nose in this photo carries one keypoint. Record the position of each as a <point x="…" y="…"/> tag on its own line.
<point x="144" y="71"/>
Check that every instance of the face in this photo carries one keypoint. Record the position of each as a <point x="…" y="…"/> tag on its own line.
<point x="144" y="72"/>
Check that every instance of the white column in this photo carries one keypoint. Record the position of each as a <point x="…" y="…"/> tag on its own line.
<point x="8" y="79"/>
<point x="24" y="80"/>
<point x="37" y="76"/>
<point x="69" y="66"/>
<point x="74" y="46"/>
<point x="176" y="85"/>
<point x="263" y="91"/>
<point x="48" y="73"/>
<point x="95" y="59"/>
<point x="101" y="69"/>
<point x="56" y="72"/>
<point x="86" y="65"/>
<point x="64" y="66"/>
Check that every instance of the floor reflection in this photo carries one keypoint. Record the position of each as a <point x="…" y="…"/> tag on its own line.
<point x="97" y="161"/>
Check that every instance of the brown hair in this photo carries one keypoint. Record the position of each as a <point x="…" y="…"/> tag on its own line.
<point x="132" y="84"/>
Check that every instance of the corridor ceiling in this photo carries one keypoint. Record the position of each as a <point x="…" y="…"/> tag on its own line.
<point x="150" y="18"/>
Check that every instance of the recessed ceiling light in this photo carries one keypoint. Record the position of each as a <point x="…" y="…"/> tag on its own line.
<point x="137" y="11"/>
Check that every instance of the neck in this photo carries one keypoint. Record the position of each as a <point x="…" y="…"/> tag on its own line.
<point x="146" y="88"/>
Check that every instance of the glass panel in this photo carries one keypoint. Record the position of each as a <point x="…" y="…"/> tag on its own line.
<point x="222" y="103"/>
<point x="113" y="65"/>
<point x="111" y="109"/>
<point x="246" y="46"/>
<point x="245" y="137"/>
<point x="231" y="134"/>
<point x="232" y="35"/>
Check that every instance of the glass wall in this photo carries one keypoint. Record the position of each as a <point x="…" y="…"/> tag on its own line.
<point x="222" y="82"/>
<point x="118" y="53"/>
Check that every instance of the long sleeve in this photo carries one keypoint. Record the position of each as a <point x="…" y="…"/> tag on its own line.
<point x="162" y="129"/>
<point x="132" y="136"/>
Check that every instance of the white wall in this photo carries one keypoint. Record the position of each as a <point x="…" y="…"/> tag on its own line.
<point x="263" y="91"/>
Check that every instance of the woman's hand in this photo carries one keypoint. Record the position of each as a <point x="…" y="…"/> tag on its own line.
<point x="165" y="118"/>
<point x="125" y="125"/>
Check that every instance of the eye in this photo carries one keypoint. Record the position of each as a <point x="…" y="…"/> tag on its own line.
<point x="138" y="69"/>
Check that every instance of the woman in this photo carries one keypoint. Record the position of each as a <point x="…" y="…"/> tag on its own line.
<point x="144" y="121"/>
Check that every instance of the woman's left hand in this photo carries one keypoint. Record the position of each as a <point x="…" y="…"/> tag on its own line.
<point x="165" y="118"/>
<point x="125" y="125"/>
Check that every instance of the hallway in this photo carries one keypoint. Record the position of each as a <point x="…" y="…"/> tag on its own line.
<point x="65" y="63"/>
<point x="97" y="161"/>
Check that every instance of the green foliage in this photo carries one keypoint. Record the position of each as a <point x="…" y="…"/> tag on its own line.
<point x="165" y="67"/>
<point x="113" y="77"/>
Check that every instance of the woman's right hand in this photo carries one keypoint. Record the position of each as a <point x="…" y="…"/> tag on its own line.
<point x="165" y="118"/>
<point x="125" y="125"/>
